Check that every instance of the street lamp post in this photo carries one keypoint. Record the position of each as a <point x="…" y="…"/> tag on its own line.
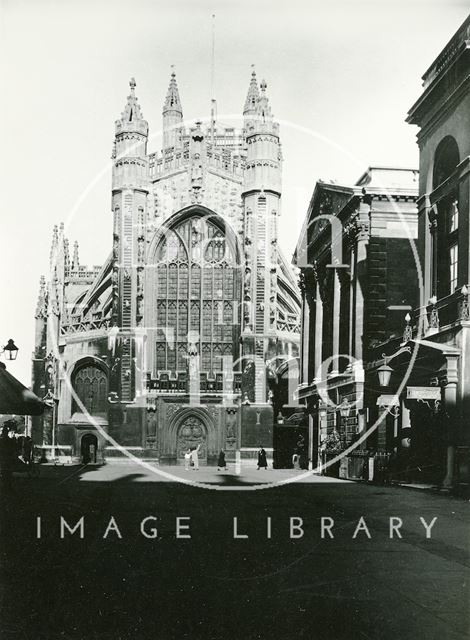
<point x="344" y="410"/>
<point x="52" y="402"/>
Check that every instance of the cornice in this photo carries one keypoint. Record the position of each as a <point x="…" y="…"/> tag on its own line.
<point x="443" y="106"/>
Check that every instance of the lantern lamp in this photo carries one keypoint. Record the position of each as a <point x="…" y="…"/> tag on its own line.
<point x="345" y="408"/>
<point x="385" y="373"/>
<point x="10" y="350"/>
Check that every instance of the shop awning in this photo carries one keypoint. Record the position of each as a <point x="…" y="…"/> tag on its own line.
<point x="15" y="398"/>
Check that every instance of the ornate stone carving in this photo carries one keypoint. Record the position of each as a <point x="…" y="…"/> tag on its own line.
<point x="172" y="408"/>
<point x="231" y="428"/>
<point x="140" y="250"/>
<point x="191" y="433"/>
<point x="196" y="172"/>
<point x="247" y="283"/>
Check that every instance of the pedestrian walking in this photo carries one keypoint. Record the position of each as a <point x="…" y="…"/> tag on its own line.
<point x="195" y="457"/>
<point x="296" y="461"/>
<point x="221" y="462"/>
<point x="262" y="462"/>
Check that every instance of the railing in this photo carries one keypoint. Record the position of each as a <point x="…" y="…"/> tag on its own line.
<point x="448" y="54"/>
<point x="447" y="311"/>
<point x="88" y="325"/>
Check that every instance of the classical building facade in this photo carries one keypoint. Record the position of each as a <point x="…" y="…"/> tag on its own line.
<point x="396" y="299"/>
<point x="442" y="322"/>
<point x="358" y="282"/>
<point x="175" y="339"/>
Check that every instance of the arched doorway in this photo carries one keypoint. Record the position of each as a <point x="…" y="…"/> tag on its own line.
<point x="88" y="448"/>
<point x="90" y="383"/>
<point x="191" y="433"/>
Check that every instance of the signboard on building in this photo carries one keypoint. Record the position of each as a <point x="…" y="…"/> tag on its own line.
<point x="387" y="400"/>
<point x="423" y="393"/>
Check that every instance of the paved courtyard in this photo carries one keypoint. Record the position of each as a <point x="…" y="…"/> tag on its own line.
<point x="282" y="580"/>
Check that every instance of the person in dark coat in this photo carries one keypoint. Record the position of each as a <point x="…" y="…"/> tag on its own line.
<point x="8" y="457"/>
<point x="221" y="462"/>
<point x="28" y="450"/>
<point x="262" y="462"/>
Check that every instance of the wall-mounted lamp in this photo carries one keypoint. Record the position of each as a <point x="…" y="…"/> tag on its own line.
<point x="345" y="408"/>
<point x="384" y="373"/>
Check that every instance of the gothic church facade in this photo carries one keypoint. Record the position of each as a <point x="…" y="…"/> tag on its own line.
<point x="177" y="338"/>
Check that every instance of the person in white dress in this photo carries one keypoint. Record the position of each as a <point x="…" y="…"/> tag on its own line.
<point x="195" y="457"/>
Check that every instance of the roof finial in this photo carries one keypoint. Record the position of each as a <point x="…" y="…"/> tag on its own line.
<point x="132" y="109"/>
<point x="252" y="95"/>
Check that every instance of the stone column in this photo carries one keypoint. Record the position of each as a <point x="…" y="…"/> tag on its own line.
<point x="305" y="337"/>
<point x="362" y="240"/>
<point x="351" y="303"/>
<point x="336" y="319"/>
<point x="433" y="255"/>
<point x="311" y="463"/>
<point x="450" y="406"/>
<point x="318" y="331"/>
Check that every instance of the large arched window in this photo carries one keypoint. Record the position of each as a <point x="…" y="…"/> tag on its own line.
<point x="446" y="161"/>
<point x="197" y="296"/>
<point x="90" y="383"/>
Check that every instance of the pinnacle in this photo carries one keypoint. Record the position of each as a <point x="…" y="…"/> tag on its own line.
<point x="263" y="108"/>
<point x="172" y="100"/>
<point x="252" y="95"/>
<point x="132" y="110"/>
<point x="75" y="260"/>
<point x="41" y="303"/>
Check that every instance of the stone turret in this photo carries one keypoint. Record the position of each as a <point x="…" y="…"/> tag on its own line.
<point x="261" y="192"/>
<point x="263" y="165"/>
<point x="172" y="116"/>
<point x="130" y="145"/>
<point x="129" y="204"/>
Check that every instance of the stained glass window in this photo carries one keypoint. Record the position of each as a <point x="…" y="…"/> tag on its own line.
<point x="196" y="289"/>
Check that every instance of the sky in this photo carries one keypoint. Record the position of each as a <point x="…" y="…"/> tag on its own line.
<point x="341" y="77"/>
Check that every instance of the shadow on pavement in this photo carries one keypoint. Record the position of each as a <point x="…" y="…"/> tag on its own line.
<point x="213" y="586"/>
